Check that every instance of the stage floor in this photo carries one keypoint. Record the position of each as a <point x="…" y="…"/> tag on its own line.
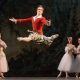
<point x="37" y="78"/>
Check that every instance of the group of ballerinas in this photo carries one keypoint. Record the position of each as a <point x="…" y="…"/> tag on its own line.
<point x="70" y="63"/>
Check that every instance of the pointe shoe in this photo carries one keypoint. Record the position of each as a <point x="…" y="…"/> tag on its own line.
<point x="77" y="77"/>
<point x="2" y="76"/>
<point x="67" y="76"/>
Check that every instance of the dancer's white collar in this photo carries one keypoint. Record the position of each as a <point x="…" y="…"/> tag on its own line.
<point x="35" y="17"/>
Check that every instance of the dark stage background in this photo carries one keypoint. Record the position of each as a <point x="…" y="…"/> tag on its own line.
<point x="31" y="59"/>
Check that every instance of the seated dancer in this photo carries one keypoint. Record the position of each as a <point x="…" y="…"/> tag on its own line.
<point x="38" y="23"/>
<point x="3" y="61"/>
<point x="67" y="60"/>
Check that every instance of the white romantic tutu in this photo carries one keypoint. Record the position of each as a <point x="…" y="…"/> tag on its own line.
<point x="3" y="62"/>
<point x="66" y="63"/>
<point x="77" y="61"/>
<point x="76" y="64"/>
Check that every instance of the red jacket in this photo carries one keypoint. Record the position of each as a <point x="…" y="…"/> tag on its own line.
<point x="37" y="25"/>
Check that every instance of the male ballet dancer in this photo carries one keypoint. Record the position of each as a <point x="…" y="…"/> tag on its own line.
<point x="38" y="23"/>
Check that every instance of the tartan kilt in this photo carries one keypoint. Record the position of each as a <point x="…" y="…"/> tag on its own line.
<point x="35" y="36"/>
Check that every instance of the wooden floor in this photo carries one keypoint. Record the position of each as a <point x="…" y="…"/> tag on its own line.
<point x="37" y="78"/>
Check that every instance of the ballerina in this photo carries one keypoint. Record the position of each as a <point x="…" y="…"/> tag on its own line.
<point x="67" y="59"/>
<point x="3" y="61"/>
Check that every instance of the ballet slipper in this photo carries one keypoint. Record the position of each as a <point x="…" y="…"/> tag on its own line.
<point x="77" y="75"/>
<point x="67" y="76"/>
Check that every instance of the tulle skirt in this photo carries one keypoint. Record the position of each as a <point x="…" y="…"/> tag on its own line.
<point x="3" y="62"/>
<point x="66" y="63"/>
<point x="76" y="64"/>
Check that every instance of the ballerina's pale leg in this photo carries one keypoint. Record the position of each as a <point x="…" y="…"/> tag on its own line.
<point x="2" y="75"/>
<point x="67" y="74"/>
<point x="59" y="74"/>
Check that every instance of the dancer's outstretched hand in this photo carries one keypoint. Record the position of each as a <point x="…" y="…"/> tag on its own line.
<point x="30" y="31"/>
<point x="49" y="22"/>
<point x="13" y="20"/>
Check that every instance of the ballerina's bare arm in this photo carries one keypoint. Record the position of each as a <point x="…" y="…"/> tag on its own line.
<point x="3" y="44"/>
<point x="74" y="49"/>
